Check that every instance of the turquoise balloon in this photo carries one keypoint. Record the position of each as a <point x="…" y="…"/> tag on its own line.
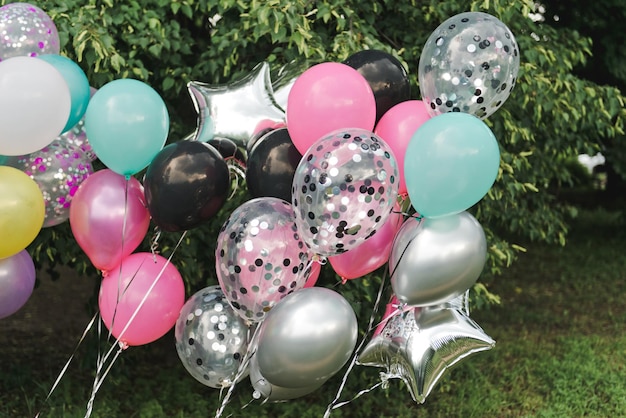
<point x="450" y="164"/>
<point x="127" y="124"/>
<point x="76" y="82"/>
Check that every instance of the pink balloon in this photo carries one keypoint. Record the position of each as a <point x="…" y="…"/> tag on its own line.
<point x="108" y="217"/>
<point x="372" y="253"/>
<point x="397" y="127"/>
<point x="327" y="97"/>
<point x="17" y="281"/>
<point x="121" y="294"/>
<point x="316" y="269"/>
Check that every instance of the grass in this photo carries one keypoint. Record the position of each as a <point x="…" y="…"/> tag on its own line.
<point x="560" y="352"/>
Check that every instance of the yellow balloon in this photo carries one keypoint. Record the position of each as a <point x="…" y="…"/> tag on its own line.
<point x="22" y="211"/>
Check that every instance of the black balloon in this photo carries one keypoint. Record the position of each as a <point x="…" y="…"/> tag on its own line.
<point x="386" y="76"/>
<point x="185" y="185"/>
<point x="272" y="163"/>
<point x="228" y="150"/>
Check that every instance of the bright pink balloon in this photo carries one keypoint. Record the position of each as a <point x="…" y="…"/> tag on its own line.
<point x="372" y="254"/>
<point x="122" y="291"/>
<point x="17" y="281"/>
<point x="316" y="269"/>
<point x="391" y="310"/>
<point x="108" y="217"/>
<point x="327" y="97"/>
<point x="397" y="127"/>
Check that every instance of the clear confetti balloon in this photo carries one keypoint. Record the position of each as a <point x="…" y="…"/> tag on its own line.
<point x="343" y="190"/>
<point x="26" y="30"/>
<point x="260" y="257"/>
<point x="58" y="169"/>
<point x="211" y="340"/>
<point x="469" y="64"/>
<point x="77" y="137"/>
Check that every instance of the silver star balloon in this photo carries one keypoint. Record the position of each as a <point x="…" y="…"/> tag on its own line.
<point x="419" y="345"/>
<point x="238" y="109"/>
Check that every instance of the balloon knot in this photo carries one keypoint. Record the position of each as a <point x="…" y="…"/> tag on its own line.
<point x="319" y="259"/>
<point x="123" y="345"/>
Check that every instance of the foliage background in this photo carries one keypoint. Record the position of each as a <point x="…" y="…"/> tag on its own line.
<point x="552" y="115"/>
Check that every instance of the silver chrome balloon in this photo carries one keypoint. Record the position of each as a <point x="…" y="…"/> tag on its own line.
<point x="211" y="340"/>
<point x="435" y="260"/>
<point x="236" y="110"/>
<point x="306" y="338"/>
<point x="420" y="344"/>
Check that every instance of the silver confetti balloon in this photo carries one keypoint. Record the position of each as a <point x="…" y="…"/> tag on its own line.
<point x="344" y="189"/>
<point x="306" y="338"/>
<point x="211" y="340"/>
<point x="469" y="64"/>
<point x="437" y="259"/>
<point x="26" y="30"/>
<point x="235" y="110"/>
<point x="273" y="393"/>
<point x="58" y="169"/>
<point x="420" y="344"/>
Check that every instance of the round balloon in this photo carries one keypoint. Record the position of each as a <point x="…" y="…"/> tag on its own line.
<point x="435" y="260"/>
<point x="306" y="338"/>
<point x="108" y="217"/>
<point x="77" y="137"/>
<point x="127" y="123"/>
<point x="58" y="169"/>
<point x="211" y="340"/>
<point x="397" y="127"/>
<point x="469" y="64"/>
<point x="34" y="105"/>
<point x="17" y="281"/>
<point x="76" y="80"/>
<point x="140" y="301"/>
<point x="451" y="162"/>
<point x="26" y="31"/>
<point x="272" y="163"/>
<point x="186" y="184"/>
<point x="22" y="211"/>
<point x="344" y="189"/>
<point x="327" y="97"/>
<point x="260" y="257"/>
<point x="386" y="76"/>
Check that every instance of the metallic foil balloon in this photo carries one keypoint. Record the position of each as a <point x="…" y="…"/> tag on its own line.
<point x="469" y="64"/>
<point x="211" y="340"/>
<point x="17" y="281"/>
<point x="435" y="260"/>
<point x="186" y="184"/>
<point x="235" y="110"/>
<point x="272" y="163"/>
<point x="260" y="257"/>
<point x="26" y="31"/>
<point x="386" y="75"/>
<point x="420" y="344"/>
<point x="306" y="338"/>
<point x="284" y="79"/>
<point x="58" y="169"/>
<point x="344" y="189"/>
<point x="274" y="393"/>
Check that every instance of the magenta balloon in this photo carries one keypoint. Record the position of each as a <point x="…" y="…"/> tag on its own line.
<point x="397" y="127"/>
<point x="109" y="218"/>
<point x="327" y="97"/>
<point x="17" y="281"/>
<point x="122" y="292"/>
<point x="372" y="253"/>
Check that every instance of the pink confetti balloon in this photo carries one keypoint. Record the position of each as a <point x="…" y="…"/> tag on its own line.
<point x="26" y="31"/>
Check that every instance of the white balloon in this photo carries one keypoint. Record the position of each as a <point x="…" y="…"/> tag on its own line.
<point x="35" y="105"/>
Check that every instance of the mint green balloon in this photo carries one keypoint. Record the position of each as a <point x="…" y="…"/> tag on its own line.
<point x="127" y="124"/>
<point x="450" y="164"/>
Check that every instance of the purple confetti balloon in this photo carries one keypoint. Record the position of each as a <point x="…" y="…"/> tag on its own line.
<point x="17" y="281"/>
<point x="260" y="257"/>
<point x="26" y="30"/>
<point x="343" y="190"/>
<point x="58" y="169"/>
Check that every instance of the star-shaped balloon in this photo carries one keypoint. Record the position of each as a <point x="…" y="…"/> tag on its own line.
<point x="418" y="345"/>
<point x="236" y="110"/>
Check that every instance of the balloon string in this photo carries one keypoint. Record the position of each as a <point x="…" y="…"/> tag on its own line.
<point x="97" y="380"/>
<point x="240" y="176"/>
<point x="67" y="364"/>
<point x="370" y="327"/>
<point x="98" y="383"/>
<point x="154" y="242"/>
<point x="241" y="370"/>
